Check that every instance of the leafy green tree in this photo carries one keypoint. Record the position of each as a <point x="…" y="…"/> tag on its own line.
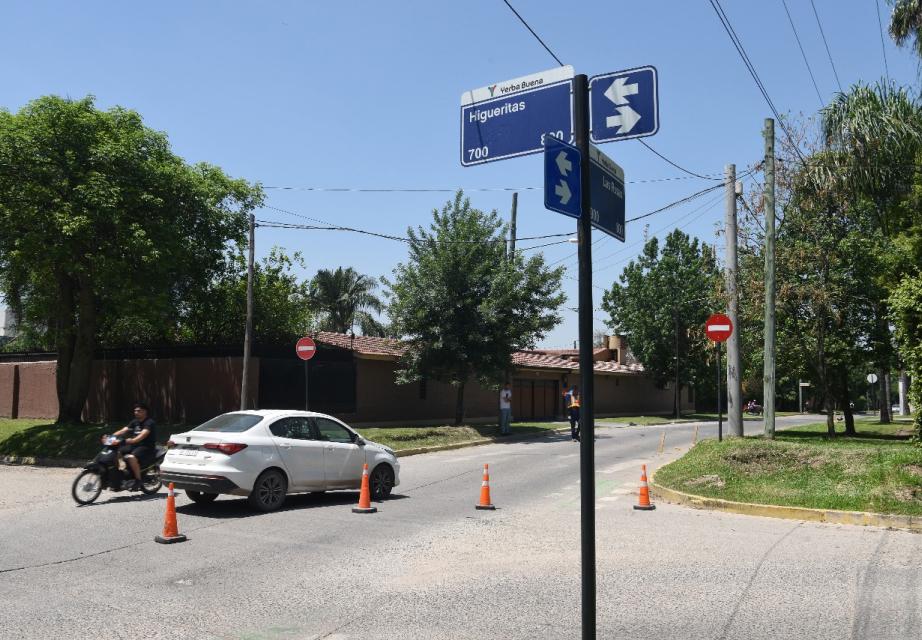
<point x="281" y="305"/>
<point x="906" y="23"/>
<point x="99" y="221"/>
<point x="462" y="307"/>
<point x="344" y="299"/>
<point x="906" y="310"/>
<point x="661" y="304"/>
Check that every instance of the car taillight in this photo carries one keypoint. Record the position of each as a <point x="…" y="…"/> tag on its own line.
<point x="230" y="448"/>
<point x="170" y="444"/>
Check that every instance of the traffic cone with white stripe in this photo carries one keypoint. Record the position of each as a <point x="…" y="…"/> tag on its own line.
<point x="485" y="502"/>
<point x="364" y="495"/>
<point x="643" y="502"/>
<point x="170" y="528"/>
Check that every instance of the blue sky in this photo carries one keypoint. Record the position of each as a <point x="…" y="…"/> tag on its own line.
<point x="366" y="95"/>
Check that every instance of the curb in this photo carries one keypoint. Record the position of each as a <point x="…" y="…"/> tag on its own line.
<point x="476" y="443"/>
<point x="42" y="462"/>
<point x="829" y="516"/>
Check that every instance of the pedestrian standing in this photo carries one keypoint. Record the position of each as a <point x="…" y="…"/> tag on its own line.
<point x="505" y="410"/>
<point x="573" y="409"/>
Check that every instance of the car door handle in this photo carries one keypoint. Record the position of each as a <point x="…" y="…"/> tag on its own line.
<point x="286" y="445"/>
<point x="330" y="447"/>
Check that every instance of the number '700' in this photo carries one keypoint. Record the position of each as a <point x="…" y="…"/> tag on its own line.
<point x="478" y="153"/>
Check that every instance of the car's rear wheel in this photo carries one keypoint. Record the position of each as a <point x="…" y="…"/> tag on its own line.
<point x="200" y="497"/>
<point x="268" y="492"/>
<point x="381" y="481"/>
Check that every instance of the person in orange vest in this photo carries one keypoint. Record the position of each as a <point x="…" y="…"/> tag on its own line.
<point x="573" y="410"/>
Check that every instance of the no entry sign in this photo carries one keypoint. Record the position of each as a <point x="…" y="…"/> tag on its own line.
<point x="718" y="327"/>
<point x="306" y="348"/>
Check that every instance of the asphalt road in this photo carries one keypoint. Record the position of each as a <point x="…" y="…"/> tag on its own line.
<point x="428" y="565"/>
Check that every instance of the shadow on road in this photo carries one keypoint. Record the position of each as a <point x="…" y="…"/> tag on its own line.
<point x="237" y="507"/>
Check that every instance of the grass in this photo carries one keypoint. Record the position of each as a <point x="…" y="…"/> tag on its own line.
<point x="686" y="417"/>
<point x="38" y="438"/>
<point x="879" y="470"/>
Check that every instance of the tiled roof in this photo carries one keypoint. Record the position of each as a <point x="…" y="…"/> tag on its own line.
<point x="561" y="359"/>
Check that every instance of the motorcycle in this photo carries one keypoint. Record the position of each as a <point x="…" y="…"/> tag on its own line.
<point x="104" y="472"/>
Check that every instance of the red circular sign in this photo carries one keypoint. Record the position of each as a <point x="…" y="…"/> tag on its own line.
<point x="718" y="327"/>
<point x="306" y="348"/>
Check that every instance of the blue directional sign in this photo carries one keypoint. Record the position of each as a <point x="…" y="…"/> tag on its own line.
<point x="623" y="105"/>
<point x="606" y="194"/>
<point x="513" y="118"/>
<point x="562" y="189"/>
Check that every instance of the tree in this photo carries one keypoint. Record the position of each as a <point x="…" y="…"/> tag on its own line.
<point x="661" y="305"/>
<point x="100" y="221"/>
<point x="281" y="307"/>
<point x="906" y="310"/>
<point x="461" y="307"/>
<point x="343" y="299"/>
<point x="906" y="23"/>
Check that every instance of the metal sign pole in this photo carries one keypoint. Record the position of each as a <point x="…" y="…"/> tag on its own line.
<point x="720" y="415"/>
<point x="307" y="369"/>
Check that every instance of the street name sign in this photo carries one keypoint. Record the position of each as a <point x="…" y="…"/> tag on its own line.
<point x="513" y="118"/>
<point x="623" y="105"/>
<point x="718" y="327"/>
<point x="606" y="194"/>
<point x="562" y="177"/>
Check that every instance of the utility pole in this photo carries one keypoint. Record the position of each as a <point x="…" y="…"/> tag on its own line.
<point x="248" y="335"/>
<point x="586" y="364"/>
<point x="734" y="387"/>
<point x="676" y="398"/>
<point x="515" y="205"/>
<point x="768" y="376"/>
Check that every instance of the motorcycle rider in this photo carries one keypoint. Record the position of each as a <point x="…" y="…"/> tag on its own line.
<point x="140" y="441"/>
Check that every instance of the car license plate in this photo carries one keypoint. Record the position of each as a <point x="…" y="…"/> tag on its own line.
<point x="188" y="452"/>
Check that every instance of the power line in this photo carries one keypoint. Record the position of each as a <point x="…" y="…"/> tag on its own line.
<point x="537" y="37"/>
<point x="691" y="173"/>
<point x="802" y="52"/>
<point x="828" y="53"/>
<point x="676" y="203"/>
<point x="882" y="47"/>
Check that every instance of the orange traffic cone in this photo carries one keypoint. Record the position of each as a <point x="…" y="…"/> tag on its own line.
<point x="170" y="529"/>
<point x="485" y="490"/>
<point x="364" y="495"/>
<point x="643" y="502"/>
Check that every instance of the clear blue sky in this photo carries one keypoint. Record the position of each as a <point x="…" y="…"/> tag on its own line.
<point x="367" y="95"/>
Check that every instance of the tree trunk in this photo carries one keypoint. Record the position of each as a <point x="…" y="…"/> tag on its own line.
<point x="882" y="396"/>
<point x="81" y="358"/>
<point x="65" y="339"/>
<point x="459" y="406"/>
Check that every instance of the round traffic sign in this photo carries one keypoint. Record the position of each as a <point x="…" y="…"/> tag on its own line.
<point x="872" y="378"/>
<point x="718" y="327"/>
<point x="306" y="348"/>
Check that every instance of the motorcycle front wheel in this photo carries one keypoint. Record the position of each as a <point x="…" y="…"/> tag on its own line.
<point x="87" y="487"/>
<point x="150" y="480"/>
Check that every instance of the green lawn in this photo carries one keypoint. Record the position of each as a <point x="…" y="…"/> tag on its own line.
<point x="38" y="438"/>
<point x="686" y="417"/>
<point x="879" y="470"/>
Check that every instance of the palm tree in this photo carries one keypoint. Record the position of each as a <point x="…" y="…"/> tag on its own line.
<point x="906" y="23"/>
<point x="344" y="299"/>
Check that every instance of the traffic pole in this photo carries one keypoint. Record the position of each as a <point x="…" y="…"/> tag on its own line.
<point x="586" y="413"/>
<point x="720" y="415"/>
<point x="248" y="331"/>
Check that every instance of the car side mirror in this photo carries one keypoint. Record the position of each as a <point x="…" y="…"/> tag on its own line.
<point x="359" y="440"/>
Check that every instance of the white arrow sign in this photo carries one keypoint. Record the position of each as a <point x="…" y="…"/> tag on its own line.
<point x="563" y="190"/>
<point x="563" y="164"/>
<point x="619" y="91"/>
<point x="626" y="120"/>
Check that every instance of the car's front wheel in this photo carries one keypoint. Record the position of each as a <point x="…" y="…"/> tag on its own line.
<point x="268" y="492"/>
<point x="381" y="481"/>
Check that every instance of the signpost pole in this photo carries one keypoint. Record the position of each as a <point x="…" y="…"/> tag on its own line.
<point x="307" y="370"/>
<point x="720" y="415"/>
<point x="586" y="417"/>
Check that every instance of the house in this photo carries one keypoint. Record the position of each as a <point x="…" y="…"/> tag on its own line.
<point x="352" y="377"/>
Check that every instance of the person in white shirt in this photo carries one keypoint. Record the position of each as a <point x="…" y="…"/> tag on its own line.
<point x="505" y="410"/>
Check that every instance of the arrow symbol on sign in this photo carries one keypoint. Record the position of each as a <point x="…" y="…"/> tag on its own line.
<point x="626" y="120"/>
<point x="619" y="90"/>
<point x="563" y="190"/>
<point x="563" y="164"/>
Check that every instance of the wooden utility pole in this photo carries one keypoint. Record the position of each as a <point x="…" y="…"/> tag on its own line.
<point x="248" y="335"/>
<point x="734" y="388"/>
<point x="768" y="376"/>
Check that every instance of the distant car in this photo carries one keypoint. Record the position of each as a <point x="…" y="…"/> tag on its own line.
<point x="266" y="455"/>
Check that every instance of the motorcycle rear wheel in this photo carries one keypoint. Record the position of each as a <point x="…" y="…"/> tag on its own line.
<point x="150" y="480"/>
<point x="87" y="487"/>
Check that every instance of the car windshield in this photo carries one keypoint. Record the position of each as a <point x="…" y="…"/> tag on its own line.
<point x="230" y="423"/>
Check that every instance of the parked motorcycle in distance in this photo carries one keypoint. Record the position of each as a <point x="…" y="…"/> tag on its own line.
<point x="103" y="472"/>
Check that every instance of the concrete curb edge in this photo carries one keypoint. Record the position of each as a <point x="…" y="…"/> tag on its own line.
<point x="829" y="516"/>
<point x="476" y="443"/>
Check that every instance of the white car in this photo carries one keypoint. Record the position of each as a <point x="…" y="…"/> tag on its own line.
<point x="266" y="455"/>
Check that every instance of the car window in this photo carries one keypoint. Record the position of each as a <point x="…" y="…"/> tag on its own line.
<point x="230" y="423"/>
<point x="331" y="431"/>
<point x="294" y="428"/>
